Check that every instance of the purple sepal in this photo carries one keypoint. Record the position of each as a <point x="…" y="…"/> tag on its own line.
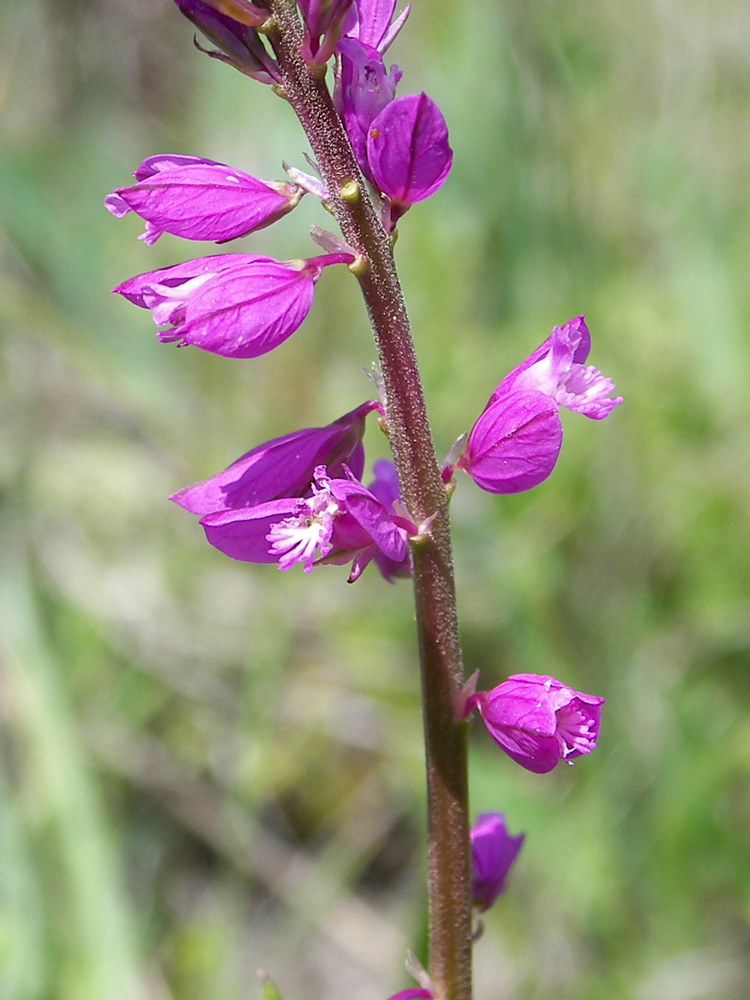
<point x="514" y="444"/>
<point x="282" y="467"/>
<point x="201" y="200"/>
<point x="242" y="534"/>
<point x="538" y="721"/>
<point x="493" y="852"/>
<point x="408" y="151"/>
<point x="323" y="20"/>
<point x="235" y="305"/>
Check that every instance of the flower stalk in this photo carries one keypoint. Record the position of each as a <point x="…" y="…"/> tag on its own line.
<point x="424" y="494"/>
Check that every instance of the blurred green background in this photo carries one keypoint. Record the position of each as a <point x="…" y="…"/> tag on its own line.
<point x="210" y="768"/>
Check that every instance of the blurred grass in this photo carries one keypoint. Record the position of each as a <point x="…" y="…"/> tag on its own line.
<point x="210" y="768"/>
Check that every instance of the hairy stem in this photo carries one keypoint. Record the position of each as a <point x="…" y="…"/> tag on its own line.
<point x="426" y="498"/>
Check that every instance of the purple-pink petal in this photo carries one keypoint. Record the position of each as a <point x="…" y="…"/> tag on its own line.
<point x="386" y="488"/>
<point x="241" y="534"/>
<point x="364" y="86"/>
<point x="372" y="517"/>
<point x="408" y="150"/>
<point x="557" y="368"/>
<point x="140" y="288"/>
<point x="234" y="35"/>
<point x="515" y="443"/>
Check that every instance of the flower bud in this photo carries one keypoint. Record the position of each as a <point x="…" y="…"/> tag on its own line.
<point x="493" y="852"/>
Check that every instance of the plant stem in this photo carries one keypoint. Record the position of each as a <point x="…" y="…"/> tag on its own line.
<point x="424" y="495"/>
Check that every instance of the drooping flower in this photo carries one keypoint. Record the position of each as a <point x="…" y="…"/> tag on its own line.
<point x="201" y="199"/>
<point x="230" y="25"/>
<point x="283" y="467"/>
<point x="408" y="151"/>
<point x="493" y="852"/>
<point x="539" y="721"/>
<point x="340" y="522"/>
<point x="236" y="305"/>
<point x="515" y="443"/>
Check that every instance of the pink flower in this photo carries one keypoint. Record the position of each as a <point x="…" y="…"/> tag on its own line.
<point x="200" y="199"/>
<point x="283" y="467"/>
<point x="493" y="852"/>
<point x="538" y="721"/>
<point x="236" y="305"/>
<point x="339" y="522"/>
<point x="515" y="443"/>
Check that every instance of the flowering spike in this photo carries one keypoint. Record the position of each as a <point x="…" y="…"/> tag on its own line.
<point x="201" y="199"/>
<point x="408" y="151"/>
<point x="493" y="852"/>
<point x="515" y="443"/>
<point x="236" y="305"/>
<point x="538" y="721"/>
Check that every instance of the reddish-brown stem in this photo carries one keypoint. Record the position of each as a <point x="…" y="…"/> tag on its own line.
<point x="425" y="496"/>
